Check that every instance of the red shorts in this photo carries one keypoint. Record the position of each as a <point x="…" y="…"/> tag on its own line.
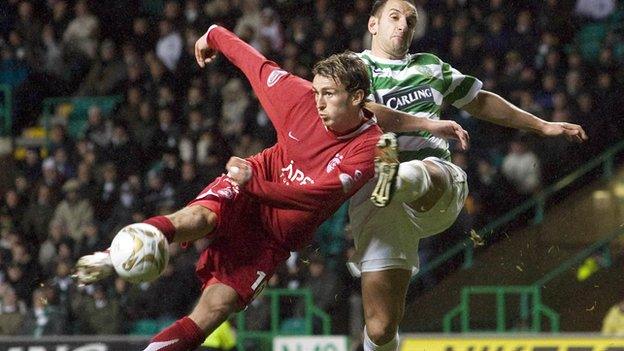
<point x="242" y="254"/>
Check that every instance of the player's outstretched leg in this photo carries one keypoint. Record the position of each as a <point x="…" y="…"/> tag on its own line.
<point x="187" y="224"/>
<point x="386" y="166"/>
<point x="383" y="298"/>
<point x="216" y="304"/>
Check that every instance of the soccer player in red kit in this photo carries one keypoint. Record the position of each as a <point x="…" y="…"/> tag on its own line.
<point x="271" y="203"/>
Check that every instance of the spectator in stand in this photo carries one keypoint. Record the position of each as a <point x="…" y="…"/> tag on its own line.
<point x="235" y="102"/>
<point x="27" y="25"/>
<point x="324" y="284"/>
<point x="521" y="167"/>
<point x="44" y="318"/>
<point x="91" y="241"/>
<point x="63" y="286"/>
<point x="12" y="311"/>
<point x="51" y="52"/>
<point x="13" y="206"/>
<point x="74" y="212"/>
<point x="595" y="9"/>
<point x="99" y="129"/>
<point x="158" y="193"/>
<point x="50" y="176"/>
<point x="38" y="216"/>
<point x="96" y="312"/>
<point x="106" y="74"/>
<point x="65" y="167"/>
<point x="107" y="193"/>
<point x="49" y="248"/>
<point x="190" y="184"/>
<point x="30" y="166"/>
<point x="169" y="133"/>
<point x="81" y="33"/>
<point x="170" y="45"/>
<point x="60" y="139"/>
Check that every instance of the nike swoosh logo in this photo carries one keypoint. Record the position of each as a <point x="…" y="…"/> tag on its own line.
<point x="159" y="345"/>
<point x="292" y="136"/>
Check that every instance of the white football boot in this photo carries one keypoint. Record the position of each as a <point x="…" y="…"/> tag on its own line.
<point x="91" y="268"/>
<point x="386" y="169"/>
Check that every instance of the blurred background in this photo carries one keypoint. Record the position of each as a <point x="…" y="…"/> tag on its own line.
<point x="105" y="120"/>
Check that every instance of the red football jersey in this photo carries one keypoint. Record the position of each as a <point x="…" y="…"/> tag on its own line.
<point x="301" y="180"/>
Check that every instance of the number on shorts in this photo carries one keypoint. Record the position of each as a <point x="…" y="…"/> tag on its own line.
<point x="261" y="276"/>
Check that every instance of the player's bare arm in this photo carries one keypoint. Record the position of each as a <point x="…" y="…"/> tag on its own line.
<point x="391" y="120"/>
<point x="493" y="108"/>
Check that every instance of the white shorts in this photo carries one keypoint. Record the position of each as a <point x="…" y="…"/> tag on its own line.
<point x="387" y="238"/>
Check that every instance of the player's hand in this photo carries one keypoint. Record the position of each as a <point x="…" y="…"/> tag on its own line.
<point x="572" y="132"/>
<point x="239" y="170"/>
<point x="450" y="130"/>
<point x="203" y="52"/>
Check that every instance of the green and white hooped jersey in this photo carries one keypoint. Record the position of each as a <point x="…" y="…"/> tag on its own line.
<point x="418" y="85"/>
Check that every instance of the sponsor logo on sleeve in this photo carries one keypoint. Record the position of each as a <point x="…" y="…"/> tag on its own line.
<point x="275" y="76"/>
<point x="334" y="163"/>
<point x="228" y="192"/>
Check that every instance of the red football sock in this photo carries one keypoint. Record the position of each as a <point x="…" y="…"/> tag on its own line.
<point x="183" y="335"/>
<point x="164" y="225"/>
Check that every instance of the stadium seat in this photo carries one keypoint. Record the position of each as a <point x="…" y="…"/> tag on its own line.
<point x="145" y="327"/>
<point x="77" y="109"/>
<point x="293" y="326"/>
<point x="589" y="40"/>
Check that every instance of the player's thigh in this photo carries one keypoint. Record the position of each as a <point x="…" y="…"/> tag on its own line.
<point x="215" y="305"/>
<point x="383" y="295"/>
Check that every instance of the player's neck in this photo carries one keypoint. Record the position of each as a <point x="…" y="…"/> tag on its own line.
<point x="357" y="123"/>
<point x="378" y="52"/>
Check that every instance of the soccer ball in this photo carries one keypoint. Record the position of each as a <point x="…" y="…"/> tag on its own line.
<point x="139" y="253"/>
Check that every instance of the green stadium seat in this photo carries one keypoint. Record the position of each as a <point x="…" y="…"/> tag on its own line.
<point x="293" y="326"/>
<point x="145" y="327"/>
<point x="79" y="107"/>
<point x="590" y="39"/>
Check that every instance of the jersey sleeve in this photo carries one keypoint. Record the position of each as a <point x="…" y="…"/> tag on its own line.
<point x="333" y="188"/>
<point x="460" y="88"/>
<point x="279" y="92"/>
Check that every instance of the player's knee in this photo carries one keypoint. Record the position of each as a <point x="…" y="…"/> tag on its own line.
<point x="381" y="332"/>
<point x="414" y="178"/>
<point x="222" y="309"/>
<point x="210" y="314"/>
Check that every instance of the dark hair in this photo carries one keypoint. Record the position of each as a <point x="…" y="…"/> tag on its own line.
<point x="379" y="4"/>
<point x="347" y="69"/>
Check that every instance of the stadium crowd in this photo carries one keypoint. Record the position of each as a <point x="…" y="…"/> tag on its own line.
<point x="177" y="125"/>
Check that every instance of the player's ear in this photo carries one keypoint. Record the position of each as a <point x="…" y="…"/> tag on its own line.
<point x="372" y="25"/>
<point x="358" y="98"/>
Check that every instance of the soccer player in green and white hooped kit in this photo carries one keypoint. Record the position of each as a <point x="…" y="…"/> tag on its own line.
<point x="427" y="192"/>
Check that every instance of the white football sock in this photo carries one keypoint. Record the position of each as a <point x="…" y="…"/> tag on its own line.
<point x="369" y="345"/>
